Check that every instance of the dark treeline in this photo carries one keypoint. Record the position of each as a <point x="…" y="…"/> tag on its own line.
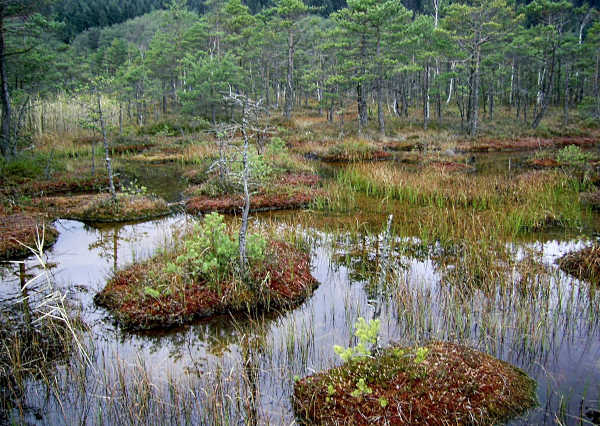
<point x="79" y="15"/>
<point x="377" y="55"/>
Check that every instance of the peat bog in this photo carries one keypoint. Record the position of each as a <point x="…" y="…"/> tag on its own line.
<point x="488" y="275"/>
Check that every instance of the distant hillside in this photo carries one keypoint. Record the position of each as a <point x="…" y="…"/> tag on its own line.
<point x="80" y="15"/>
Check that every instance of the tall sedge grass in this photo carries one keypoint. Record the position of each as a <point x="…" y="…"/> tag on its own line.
<point x="446" y="203"/>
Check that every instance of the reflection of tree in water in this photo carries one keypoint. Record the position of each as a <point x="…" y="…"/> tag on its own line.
<point x="363" y="257"/>
<point x="204" y="339"/>
<point x="109" y="238"/>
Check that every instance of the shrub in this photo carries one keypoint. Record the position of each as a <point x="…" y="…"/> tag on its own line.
<point x="212" y="253"/>
<point x="572" y="155"/>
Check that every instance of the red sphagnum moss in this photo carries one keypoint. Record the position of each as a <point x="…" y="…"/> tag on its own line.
<point x="452" y="385"/>
<point x="19" y="228"/>
<point x="282" y="280"/>
<point x="290" y="191"/>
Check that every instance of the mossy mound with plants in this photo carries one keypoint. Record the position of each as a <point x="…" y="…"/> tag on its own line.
<point x="438" y="384"/>
<point x="126" y="207"/>
<point x="59" y="184"/>
<point x="583" y="264"/>
<point x="102" y="207"/>
<point x="19" y="229"/>
<point x="288" y="191"/>
<point x="524" y="144"/>
<point x="200" y="277"/>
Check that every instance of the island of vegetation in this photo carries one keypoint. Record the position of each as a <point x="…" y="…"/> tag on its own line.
<point x="201" y="277"/>
<point x="437" y="384"/>
<point x="20" y="233"/>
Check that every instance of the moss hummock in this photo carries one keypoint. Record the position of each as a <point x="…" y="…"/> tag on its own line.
<point x="102" y="208"/>
<point x="19" y="229"/>
<point x="440" y="384"/>
<point x="154" y="294"/>
<point x="583" y="264"/>
<point x="289" y="191"/>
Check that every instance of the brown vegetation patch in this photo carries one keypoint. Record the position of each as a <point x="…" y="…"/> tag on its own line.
<point x="288" y="191"/>
<point x="400" y="146"/>
<point x="524" y="144"/>
<point x="592" y="199"/>
<point x="284" y="279"/>
<point x="259" y="202"/>
<point x="157" y="158"/>
<point x="349" y="157"/>
<point x="450" y="166"/>
<point x="453" y="384"/>
<point x="130" y="148"/>
<point x="19" y="228"/>
<point x="542" y="163"/>
<point x="60" y="183"/>
<point x="126" y="208"/>
<point x="64" y="184"/>
<point x="583" y="264"/>
<point x="295" y="179"/>
<point x="196" y="176"/>
<point x="101" y="207"/>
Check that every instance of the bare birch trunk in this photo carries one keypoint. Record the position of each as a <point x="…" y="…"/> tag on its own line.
<point x="111" y="183"/>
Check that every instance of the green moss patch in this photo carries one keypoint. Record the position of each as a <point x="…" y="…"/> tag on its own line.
<point x="18" y="228"/>
<point x="583" y="264"/>
<point x="439" y="384"/>
<point x="162" y="293"/>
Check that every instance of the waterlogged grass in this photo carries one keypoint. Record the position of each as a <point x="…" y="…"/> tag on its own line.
<point x="218" y="373"/>
<point x="529" y="202"/>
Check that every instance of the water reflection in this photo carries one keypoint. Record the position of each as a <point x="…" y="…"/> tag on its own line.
<point x="544" y="321"/>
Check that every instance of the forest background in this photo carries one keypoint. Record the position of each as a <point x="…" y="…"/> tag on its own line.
<point x="422" y="60"/>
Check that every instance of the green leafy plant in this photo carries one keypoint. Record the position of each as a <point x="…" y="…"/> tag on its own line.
<point x="330" y="389"/>
<point x="361" y="389"/>
<point x="211" y="252"/>
<point x="367" y="334"/>
<point x="572" y="155"/>
<point x="421" y="355"/>
<point x="133" y="188"/>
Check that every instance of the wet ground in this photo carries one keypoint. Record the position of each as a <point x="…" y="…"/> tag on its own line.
<point x="551" y="330"/>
